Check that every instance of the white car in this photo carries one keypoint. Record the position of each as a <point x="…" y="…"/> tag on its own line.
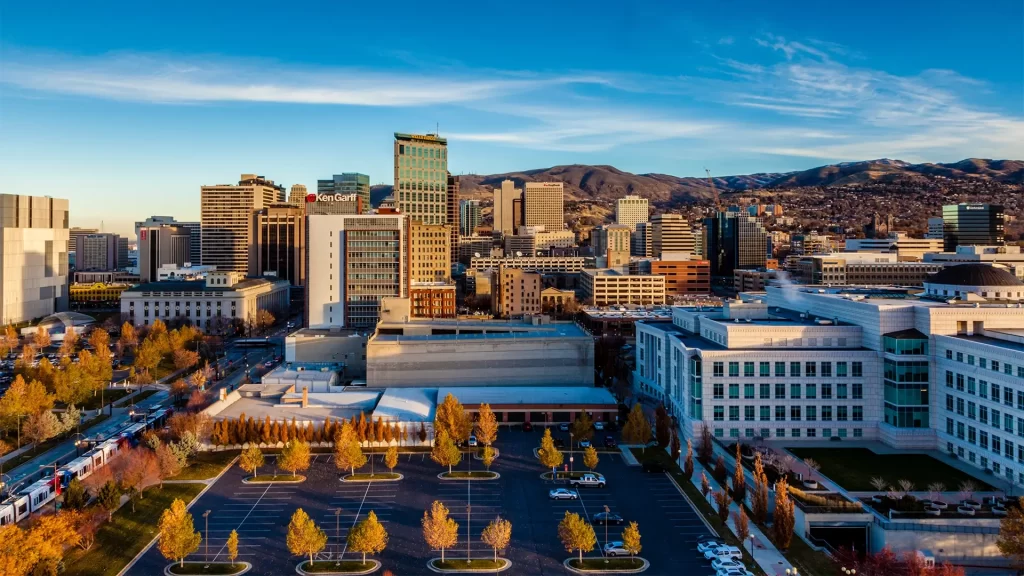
<point x="615" y="549"/>
<point x="564" y="426"/>
<point x="563" y="494"/>
<point x="472" y="440"/>
<point x="734" y="572"/>
<point x="584" y="443"/>
<point x="721" y="564"/>
<point x="723" y="552"/>
<point x="703" y="547"/>
<point x="598" y="426"/>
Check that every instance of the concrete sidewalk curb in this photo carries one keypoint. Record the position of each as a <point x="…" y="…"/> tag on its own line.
<point x="376" y="566"/>
<point x="245" y="566"/>
<point x="442" y="476"/>
<point x="642" y="568"/>
<point x="432" y="568"/>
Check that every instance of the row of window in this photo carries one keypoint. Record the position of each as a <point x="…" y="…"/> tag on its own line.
<point x="985" y="415"/>
<point x="984" y="463"/>
<point x="796" y="413"/>
<point x="983" y="389"/>
<point x="993" y="365"/>
<point x="991" y="442"/>
<point x="809" y="369"/>
<point x="809" y="391"/>
<point x="793" y="433"/>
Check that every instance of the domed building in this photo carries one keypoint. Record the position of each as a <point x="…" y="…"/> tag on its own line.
<point x="974" y="283"/>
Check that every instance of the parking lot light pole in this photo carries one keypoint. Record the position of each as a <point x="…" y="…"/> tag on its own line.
<point x="607" y="511"/>
<point x="337" y="533"/>
<point x="752" y="548"/>
<point x="206" y="539"/>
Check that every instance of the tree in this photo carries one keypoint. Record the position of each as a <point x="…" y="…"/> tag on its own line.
<point x="422" y="433"/>
<point x="631" y="539"/>
<point x="40" y="427"/>
<point x="705" y="485"/>
<point x="135" y="470"/>
<point x="294" y="457"/>
<point x="69" y="344"/>
<point x="637" y="429"/>
<point x="168" y="462"/>
<point x="304" y="538"/>
<point x="128" y="339"/>
<point x="590" y="457"/>
<point x="582" y="427"/>
<point x="675" y="446"/>
<point x="8" y="340"/>
<point x="550" y="456"/>
<point x="742" y="524"/>
<point x="439" y="531"/>
<point x="486" y="425"/>
<point x="41" y="339"/>
<point x="445" y="452"/>
<point x="232" y="546"/>
<point x="451" y="417"/>
<point x="251" y="459"/>
<point x="488" y="457"/>
<point x="720" y="473"/>
<point x="688" y="463"/>
<point x="179" y="388"/>
<point x="739" y="480"/>
<point x="178" y="538"/>
<point x="75" y="496"/>
<point x="347" y="452"/>
<point x="706" y="446"/>
<point x="662" y="426"/>
<point x="576" y="534"/>
<point x="497" y="535"/>
<point x="109" y="498"/>
<point x="147" y="357"/>
<point x="391" y="458"/>
<point x="759" y="499"/>
<point x="368" y="536"/>
<point x="185" y="359"/>
<point x="722" y="502"/>
<point x="1011" y="534"/>
<point x="784" y="520"/>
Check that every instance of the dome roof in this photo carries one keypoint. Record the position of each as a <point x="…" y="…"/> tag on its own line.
<point x="974" y="275"/>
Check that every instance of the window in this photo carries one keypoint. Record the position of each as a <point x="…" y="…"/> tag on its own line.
<point x="748" y="369"/>
<point x="858" y="391"/>
<point x="826" y="432"/>
<point x="734" y="413"/>
<point x="996" y="391"/>
<point x="996" y="444"/>
<point x="765" y="391"/>
<point x="811" y="432"/>
<point x="1008" y="449"/>
<point x="858" y="369"/>
<point x="995" y="366"/>
<point x="960" y="430"/>
<point x="765" y="413"/>
<point x="794" y="391"/>
<point x="841" y="413"/>
<point x="826" y="391"/>
<point x="780" y="432"/>
<point x="765" y="369"/>
<point x="810" y="391"/>
<point x="811" y="413"/>
<point x="959" y="356"/>
<point x="780" y="391"/>
<point x="971" y="412"/>
<point x="1008" y="423"/>
<point x="970" y="359"/>
<point x="719" y="390"/>
<point x="949" y="354"/>
<point x="982" y="363"/>
<point x="858" y="413"/>
<point x="810" y="369"/>
<point x="1020" y="400"/>
<point x="717" y="369"/>
<point x="734" y="369"/>
<point x="794" y="369"/>
<point x="826" y="413"/>
<point x="982" y="438"/>
<point x="983" y="388"/>
<point x="780" y="413"/>
<point x="960" y="406"/>
<point x="748" y="415"/>
<point x="949" y="379"/>
<point x="826" y="370"/>
<point x="840" y="369"/>
<point x="960" y="382"/>
<point x="748" y="391"/>
<point x="719" y="432"/>
<point x="949" y="402"/>
<point x="971" y="386"/>
<point x="982" y="414"/>
<point x="1007" y="396"/>
<point x="971" y="435"/>
<point x="841" y="391"/>
<point x="734" y="391"/>
<point x="794" y="413"/>
<point x="780" y="369"/>
<point x="795" y="432"/>
<point x="719" y="412"/>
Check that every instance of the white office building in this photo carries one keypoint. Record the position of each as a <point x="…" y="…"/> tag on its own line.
<point x="34" y="239"/>
<point x="939" y="369"/>
<point x="631" y="210"/>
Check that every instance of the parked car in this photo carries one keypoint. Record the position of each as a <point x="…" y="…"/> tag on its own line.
<point x="588" y="479"/>
<point x="527" y="427"/>
<point x="653" y="466"/>
<point x="710" y="544"/>
<point x="607" y="518"/>
<point x="615" y="549"/>
<point x="584" y="443"/>
<point x="563" y="494"/>
<point x="599" y="426"/>
<point x="564" y="426"/>
<point x="734" y="572"/>
<point x="723" y="552"/>
<point x="472" y="440"/>
<point x="719" y="564"/>
<point x="609" y="442"/>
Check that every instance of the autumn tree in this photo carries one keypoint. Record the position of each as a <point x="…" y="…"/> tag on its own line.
<point x="487" y="456"/>
<point x="75" y="496"/>
<point x="135" y="470"/>
<point x="451" y="418"/>
<point x="167" y="461"/>
<point x="251" y="459"/>
<point x="742" y="524"/>
<point x="550" y="456"/>
<point x="41" y="339"/>
<point x="185" y="359"/>
<point x="368" y="536"/>
<point x="497" y="535"/>
<point x="69" y="344"/>
<point x="147" y="357"/>
<point x="582" y="427"/>
<point x="486" y="425"/>
<point x="688" y="462"/>
<point x="128" y="339"/>
<point x="720" y="473"/>
<point x="705" y="485"/>
<point x="706" y="450"/>
<point x="178" y="538"/>
<point x="439" y="530"/>
<point x="445" y="452"/>
<point x="348" y="455"/>
<point x="631" y="539"/>
<point x="759" y="499"/>
<point x="739" y="480"/>
<point x="1011" y="534"/>
<point x="590" y="457"/>
<point x="8" y="340"/>
<point x="391" y="458"/>
<point x="722" y="502"/>
<point x="232" y="546"/>
<point x="109" y="498"/>
<point x="637" y="429"/>
<point x="784" y="520"/>
<point x="662" y="426"/>
<point x="40" y="427"/>
<point x="675" y="446"/>
<point x="576" y="534"/>
<point x="304" y="538"/>
<point x="294" y="457"/>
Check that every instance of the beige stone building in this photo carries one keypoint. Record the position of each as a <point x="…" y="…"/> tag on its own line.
<point x="607" y="287"/>
<point x="227" y="220"/>
<point x="429" y="253"/>
<point x="543" y="205"/>
<point x="631" y="210"/>
<point x="515" y="293"/>
<point x="504" y="207"/>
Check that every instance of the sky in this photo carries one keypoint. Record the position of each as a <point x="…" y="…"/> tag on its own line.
<point x="127" y="108"/>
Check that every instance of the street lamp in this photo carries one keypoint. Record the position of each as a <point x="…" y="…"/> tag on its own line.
<point x="78" y="442"/>
<point x="607" y="511"/>
<point x="570" y="454"/>
<point x="849" y="571"/>
<point x="752" y="548"/>
<point x="337" y="534"/>
<point x="206" y="539"/>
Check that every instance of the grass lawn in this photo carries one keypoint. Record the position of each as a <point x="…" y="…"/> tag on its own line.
<point x="141" y="396"/>
<point x="222" y="568"/>
<point x="261" y="478"/>
<point x="853" y="468"/>
<point x="49" y="444"/>
<point x="117" y="542"/>
<point x="473" y="564"/>
<point x="108" y="396"/>
<point x="568" y="475"/>
<point x="332" y="566"/>
<point x="703" y="506"/>
<point x="365" y="476"/>
<point x="206" y="465"/>
<point x="611" y="564"/>
<point x="473" y="474"/>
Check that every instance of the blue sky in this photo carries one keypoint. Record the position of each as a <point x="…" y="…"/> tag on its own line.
<point x="127" y="108"/>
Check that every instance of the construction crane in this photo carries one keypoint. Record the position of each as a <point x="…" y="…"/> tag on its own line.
<point x="714" y="191"/>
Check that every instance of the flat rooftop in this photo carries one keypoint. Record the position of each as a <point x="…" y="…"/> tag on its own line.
<point x="200" y="285"/>
<point x="407" y="404"/>
<point x="322" y="405"/>
<point x="328" y="333"/>
<point x="529" y="395"/>
<point x="469" y="330"/>
<point x="990" y="341"/>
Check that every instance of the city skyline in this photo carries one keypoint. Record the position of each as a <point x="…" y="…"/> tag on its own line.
<point x="654" y="88"/>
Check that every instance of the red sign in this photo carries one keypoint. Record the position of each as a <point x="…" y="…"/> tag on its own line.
<point x="142" y="233"/>
<point x="310" y="197"/>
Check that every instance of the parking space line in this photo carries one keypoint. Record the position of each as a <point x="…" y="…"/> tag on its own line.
<point x="242" y="523"/>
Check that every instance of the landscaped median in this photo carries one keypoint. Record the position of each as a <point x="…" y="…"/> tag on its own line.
<point x="378" y="477"/>
<point x="607" y="565"/>
<point x="469" y="475"/>
<point x="214" y="568"/>
<point x="338" y="567"/>
<point x="566" y="475"/>
<point x="473" y="566"/>
<point x="274" y="478"/>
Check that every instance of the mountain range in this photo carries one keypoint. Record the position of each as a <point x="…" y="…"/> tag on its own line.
<point x="607" y="183"/>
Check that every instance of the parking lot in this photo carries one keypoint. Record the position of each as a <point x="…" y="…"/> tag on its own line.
<point x="261" y="513"/>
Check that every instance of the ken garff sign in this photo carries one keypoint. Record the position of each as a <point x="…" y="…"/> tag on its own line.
<point x="330" y="197"/>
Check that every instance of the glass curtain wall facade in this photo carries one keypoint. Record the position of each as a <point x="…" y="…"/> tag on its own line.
<point x="906" y="379"/>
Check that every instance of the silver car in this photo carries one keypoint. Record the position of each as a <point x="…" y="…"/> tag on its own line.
<point x="563" y="494"/>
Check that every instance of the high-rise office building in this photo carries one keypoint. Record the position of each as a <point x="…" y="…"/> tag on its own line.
<point x="353" y="262"/>
<point x="670" y="233"/>
<point x="33" y="257"/>
<point x="640" y="240"/>
<point x="280" y="243"/>
<point x="334" y="204"/>
<point x="612" y="242"/>
<point x="122" y="253"/>
<point x="469" y="217"/>
<point x="227" y="221"/>
<point x="97" y="252"/>
<point x="75" y="232"/>
<point x="735" y="240"/>
<point x="347" y="184"/>
<point x="935" y="227"/>
<point x="504" y="208"/>
<point x="543" y="205"/>
<point x="429" y="253"/>
<point x="195" y="231"/>
<point x="972" y="225"/>
<point x="160" y="245"/>
<point x="515" y="292"/>
<point x="421" y="177"/>
<point x="297" y="195"/>
<point x="453" y="219"/>
<point x="631" y="210"/>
